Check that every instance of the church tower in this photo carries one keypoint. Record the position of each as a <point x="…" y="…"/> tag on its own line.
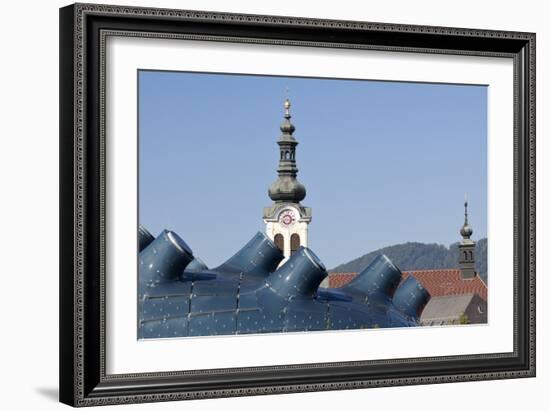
<point x="286" y="221"/>
<point x="466" y="248"/>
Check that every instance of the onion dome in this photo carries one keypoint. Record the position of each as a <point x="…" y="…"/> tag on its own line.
<point x="287" y="189"/>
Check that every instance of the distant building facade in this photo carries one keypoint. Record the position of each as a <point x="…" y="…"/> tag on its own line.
<point x="455" y="309"/>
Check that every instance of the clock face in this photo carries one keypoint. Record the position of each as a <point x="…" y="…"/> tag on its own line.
<point x="287" y="217"/>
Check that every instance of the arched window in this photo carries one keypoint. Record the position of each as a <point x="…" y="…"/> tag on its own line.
<point x="287" y="155"/>
<point x="292" y="155"/>
<point x="471" y="253"/>
<point x="294" y="243"/>
<point x="280" y="242"/>
<point x="465" y="255"/>
<point x="282" y="155"/>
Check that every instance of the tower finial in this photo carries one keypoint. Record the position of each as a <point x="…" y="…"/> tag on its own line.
<point x="287" y="104"/>
<point x="287" y="127"/>
<point x="465" y="209"/>
<point x="466" y="231"/>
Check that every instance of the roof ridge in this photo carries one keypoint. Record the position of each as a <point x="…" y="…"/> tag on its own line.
<point x="431" y="270"/>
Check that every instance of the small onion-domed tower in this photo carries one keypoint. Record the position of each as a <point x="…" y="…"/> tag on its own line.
<point x="466" y="248"/>
<point x="287" y="220"/>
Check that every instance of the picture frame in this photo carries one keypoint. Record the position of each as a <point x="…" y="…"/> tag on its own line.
<point x="84" y="82"/>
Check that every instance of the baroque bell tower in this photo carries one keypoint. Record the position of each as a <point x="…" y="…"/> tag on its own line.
<point x="466" y="248"/>
<point x="287" y="220"/>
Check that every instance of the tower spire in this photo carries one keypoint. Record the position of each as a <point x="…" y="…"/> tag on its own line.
<point x="287" y="108"/>
<point x="465" y="208"/>
<point x="466" y="231"/>
<point x="287" y="188"/>
<point x="466" y="248"/>
<point x="287" y="104"/>
<point x="286" y="220"/>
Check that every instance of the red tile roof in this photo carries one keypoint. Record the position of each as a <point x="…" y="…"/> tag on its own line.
<point x="438" y="282"/>
<point x="337" y="280"/>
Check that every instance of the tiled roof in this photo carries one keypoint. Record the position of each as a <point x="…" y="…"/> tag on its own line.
<point x="337" y="280"/>
<point x="446" y="281"/>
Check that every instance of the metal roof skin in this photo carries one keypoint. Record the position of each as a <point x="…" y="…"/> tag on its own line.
<point x="249" y="294"/>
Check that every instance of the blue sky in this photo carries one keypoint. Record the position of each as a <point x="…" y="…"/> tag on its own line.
<point x="383" y="162"/>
